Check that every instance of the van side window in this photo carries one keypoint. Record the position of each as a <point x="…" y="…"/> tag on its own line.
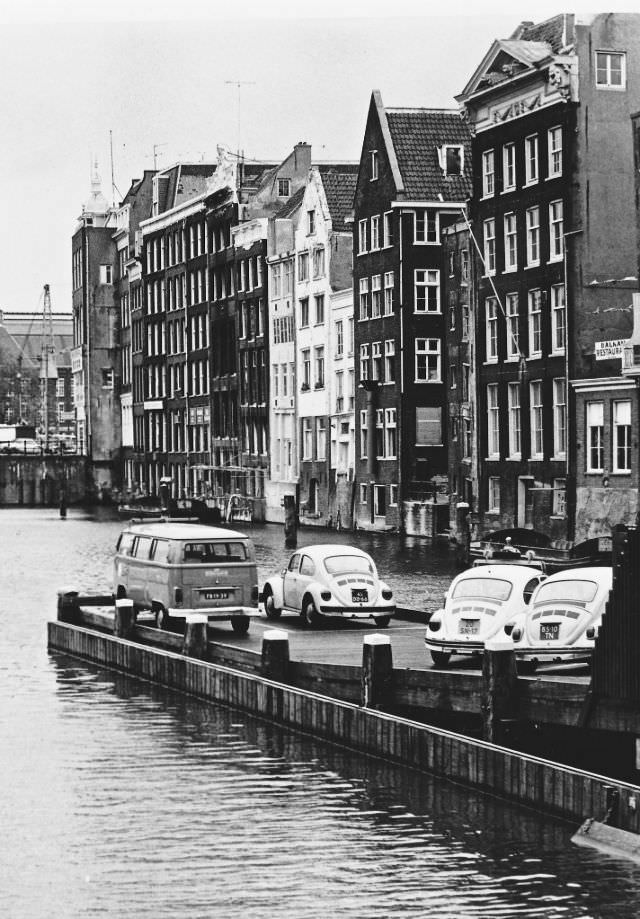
<point x="125" y="543"/>
<point x="160" y="550"/>
<point x="143" y="547"/>
<point x="295" y="561"/>
<point x="307" y="566"/>
<point x="209" y="553"/>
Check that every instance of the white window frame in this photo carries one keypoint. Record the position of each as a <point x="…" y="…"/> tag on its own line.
<point x="533" y="236"/>
<point x="536" y="420"/>
<point x="365" y="366"/>
<point x="558" y="319"/>
<point x="559" y="418"/>
<point x="421" y="222"/>
<point x="622" y="435"/>
<point x="608" y="56"/>
<point x="488" y="173"/>
<point x="493" y="422"/>
<point x="426" y="280"/>
<point x="389" y="284"/>
<point x="387" y="229"/>
<point x="556" y="231"/>
<point x="489" y="237"/>
<point x="515" y="420"/>
<point x="491" y="311"/>
<point x="362" y="236"/>
<point x="508" y="167"/>
<point x="374" y="162"/>
<point x="374" y="243"/>
<point x="512" y="310"/>
<point x="560" y="497"/>
<point x="594" y="412"/>
<point x="493" y="494"/>
<point x="531" y="160"/>
<point x="554" y="152"/>
<point x="390" y="440"/>
<point x="389" y="360"/>
<point x="376" y="296"/>
<point x="428" y="350"/>
<point x="363" y="300"/>
<point x="364" y="436"/>
<point x="510" y="242"/>
<point x="534" y="311"/>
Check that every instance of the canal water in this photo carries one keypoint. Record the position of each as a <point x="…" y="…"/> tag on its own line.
<point x="122" y="799"/>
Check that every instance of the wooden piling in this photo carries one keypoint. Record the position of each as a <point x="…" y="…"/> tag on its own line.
<point x="275" y="655"/>
<point x="290" y="522"/>
<point x="195" y="637"/>
<point x="499" y="703"/>
<point x="377" y="673"/>
<point x="124" y="620"/>
<point x="68" y="606"/>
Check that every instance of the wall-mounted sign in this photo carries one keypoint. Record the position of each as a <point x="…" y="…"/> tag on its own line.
<point x="605" y="350"/>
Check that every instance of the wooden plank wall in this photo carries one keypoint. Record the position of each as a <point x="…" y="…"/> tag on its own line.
<point x="544" y="785"/>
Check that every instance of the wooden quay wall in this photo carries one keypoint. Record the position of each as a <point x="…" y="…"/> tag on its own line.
<point x="363" y="726"/>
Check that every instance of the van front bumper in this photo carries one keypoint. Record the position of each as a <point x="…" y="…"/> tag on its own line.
<point x="213" y="613"/>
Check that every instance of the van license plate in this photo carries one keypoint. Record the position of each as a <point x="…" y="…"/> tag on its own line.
<point x="469" y="627"/>
<point x="549" y="630"/>
<point x="359" y="596"/>
<point x="216" y="594"/>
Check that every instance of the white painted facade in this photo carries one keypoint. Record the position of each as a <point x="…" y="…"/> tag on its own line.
<point x="341" y="376"/>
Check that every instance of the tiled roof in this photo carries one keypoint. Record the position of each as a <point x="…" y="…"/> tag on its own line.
<point x="549" y="31"/>
<point x="417" y="135"/>
<point x="529" y="52"/>
<point x="289" y="208"/>
<point x="339" y="183"/>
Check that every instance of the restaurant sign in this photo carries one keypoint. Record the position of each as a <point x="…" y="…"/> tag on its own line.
<point x="605" y="350"/>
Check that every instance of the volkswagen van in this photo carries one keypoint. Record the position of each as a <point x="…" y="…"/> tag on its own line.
<point x="175" y="569"/>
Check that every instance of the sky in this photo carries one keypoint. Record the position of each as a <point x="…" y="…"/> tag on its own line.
<point x="80" y="80"/>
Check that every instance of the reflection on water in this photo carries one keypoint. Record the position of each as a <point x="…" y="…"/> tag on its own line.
<point x="124" y="799"/>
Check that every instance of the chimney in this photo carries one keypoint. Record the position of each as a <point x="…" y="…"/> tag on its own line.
<point x="302" y="157"/>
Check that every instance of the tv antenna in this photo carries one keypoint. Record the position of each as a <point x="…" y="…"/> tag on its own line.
<point x="239" y="84"/>
<point x="114" y="187"/>
<point x="156" y="147"/>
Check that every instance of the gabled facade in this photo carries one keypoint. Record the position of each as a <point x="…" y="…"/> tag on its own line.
<point x="549" y="109"/>
<point x="413" y="181"/>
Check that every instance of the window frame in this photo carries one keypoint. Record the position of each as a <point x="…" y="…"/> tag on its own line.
<point x="531" y="156"/>
<point x="595" y="445"/>
<point x="488" y="173"/>
<point x="623" y="70"/>
<point x="426" y="285"/>
<point x="536" y="420"/>
<point x="425" y="351"/>
<point x="554" y="152"/>
<point x="617" y="446"/>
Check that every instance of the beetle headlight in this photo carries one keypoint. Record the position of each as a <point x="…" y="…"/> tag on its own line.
<point x="434" y="624"/>
<point x="387" y="594"/>
<point x="326" y="594"/>
<point x="590" y="633"/>
<point x="516" y="633"/>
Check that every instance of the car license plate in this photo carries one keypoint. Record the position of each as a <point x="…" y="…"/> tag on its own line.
<point x="468" y="626"/>
<point x="216" y="594"/>
<point x="359" y="596"/>
<point x="549" y="630"/>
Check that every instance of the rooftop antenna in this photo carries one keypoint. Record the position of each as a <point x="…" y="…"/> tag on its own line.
<point x="156" y="147"/>
<point x="239" y="84"/>
<point x="114" y="187"/>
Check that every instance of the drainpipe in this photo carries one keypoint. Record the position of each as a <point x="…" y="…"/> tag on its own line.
<point x="571" y="508"/>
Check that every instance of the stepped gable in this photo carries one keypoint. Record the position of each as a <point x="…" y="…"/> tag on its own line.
<point x="417" y="135"/>
<point x="339" y="183"/>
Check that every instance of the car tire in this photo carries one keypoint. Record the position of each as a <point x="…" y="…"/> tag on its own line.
<point x="310" y="614"/>
<point x="270" y="609"/>
<point x="382" y="621"/>
<point x="441" y="659"/>
<point x="526" y="668"/>
<point x="163" y="620"/>
<point x="240" y="624"/>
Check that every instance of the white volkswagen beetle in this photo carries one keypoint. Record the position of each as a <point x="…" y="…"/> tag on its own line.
<point x="562" y="620"/>
<point x="329" y="580"/>
<point x="476" y="607"/>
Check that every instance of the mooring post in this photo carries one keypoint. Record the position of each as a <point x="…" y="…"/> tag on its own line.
<point x="124" y="620"/>
<point x="499" y="690"/>
<point x="195" y="636"/>
<point x="377" y="673"/>
<point x="275" y="655"/>
<point x="290" y="522"/>
<point x="68" y="606"/>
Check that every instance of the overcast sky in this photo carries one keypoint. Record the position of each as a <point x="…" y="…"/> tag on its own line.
<point x="66" y="83"/>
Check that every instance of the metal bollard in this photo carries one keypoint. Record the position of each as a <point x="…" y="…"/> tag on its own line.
<point x="195" y="636"/>
<point x="377" y="673"/>
<point x="124" y="620"/>
<point x="275" y="655"/>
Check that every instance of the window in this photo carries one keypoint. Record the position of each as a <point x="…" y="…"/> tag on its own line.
<point x="306" y="368"/>
<point x="559" y="418"/>
<point x="379" y="500"/>
<point x="535" y="323"/>
<point x="303" y="266"/>
<point x="339" y="338"/>
<point x="533" y="236"/>
<point x="493" y="421"/>
<point x="276" y="379"/>
<point x="311" y="222"/>
<point x="379" y="434"/>
<point x="464" y="265"/>
<point x="509" y="167"/>
<point x="535" y="411"/>
<point x="287" y="288"/>
<point x="554" y="152"/>
<point x="515" y="437"/>
<point x="319" y="303"/>
<point x="376" y="360"/>
<point x="488" y="173"/>
<point x="364" y="362"/>
<point x="393" y="495"/>
<point x="107" y="378"/>
<point x="387" y="228"/>
<point x="595" y="436"/>
<point x="284" y="188"/>
<point x="556" y="231"/>
<point x="276" y="281"/>
<point x="106" y="274"/>
<point x="428" y="360"/>
<point x="428" y="426"/>
<point x="492" y="328"/>
<point x="453" y="376"/>
<point x="558" y="319"/>
<point x="321" y="438"/>
<point x="388" y="292"/>
<point x="374" y="162"/>
<point x="375" y="232"/>
<point x="560" y="497"/>
<point x="490" y="247"/>
<point x="362" y="236"/>
<point x="364" y="434"/>
<point x="531" y="159"/>
<point x="464" y="309"/>
<point x="364" y="298"/>
<point x="307" y="439"/>
<point x="622" y="436"/>
<point x="304" y="312"/>
<point x="376" y="296"/>
<point x="389" y="360"/>
<point x="513" y="332"/>
<point x="363" y="494"/>
<point x="493" y="505"/>
<point x="426" y="226"/>
<point x="510" y="243"/>
<point x="318" y="262"/>
<point x="453" y="160"/>
<point x="390" y="433"/>
<point x="427" y="290"/>
<point x="319" y="364"/>
<point x="611" y="70"/>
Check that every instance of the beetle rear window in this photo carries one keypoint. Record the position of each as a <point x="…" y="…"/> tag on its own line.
<point x="208" y="553"/>
<point x="347" y="564"/>
<point x="580" y="591"/>
<point x="487" y="588"/>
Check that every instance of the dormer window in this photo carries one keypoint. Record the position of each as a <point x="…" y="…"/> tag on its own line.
<point x="284" y="188"/>
<point x="451" y="158"/>
<point x="374" y="165"/>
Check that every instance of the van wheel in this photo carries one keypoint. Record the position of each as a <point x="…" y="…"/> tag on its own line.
<point x="163" y="620"/>
<point x="240" y="624"/>
<point x="270" y="609"/>
<point x="382" y="621"/>
<point x="310" y="614"/>
<point x="441" y="659"/>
